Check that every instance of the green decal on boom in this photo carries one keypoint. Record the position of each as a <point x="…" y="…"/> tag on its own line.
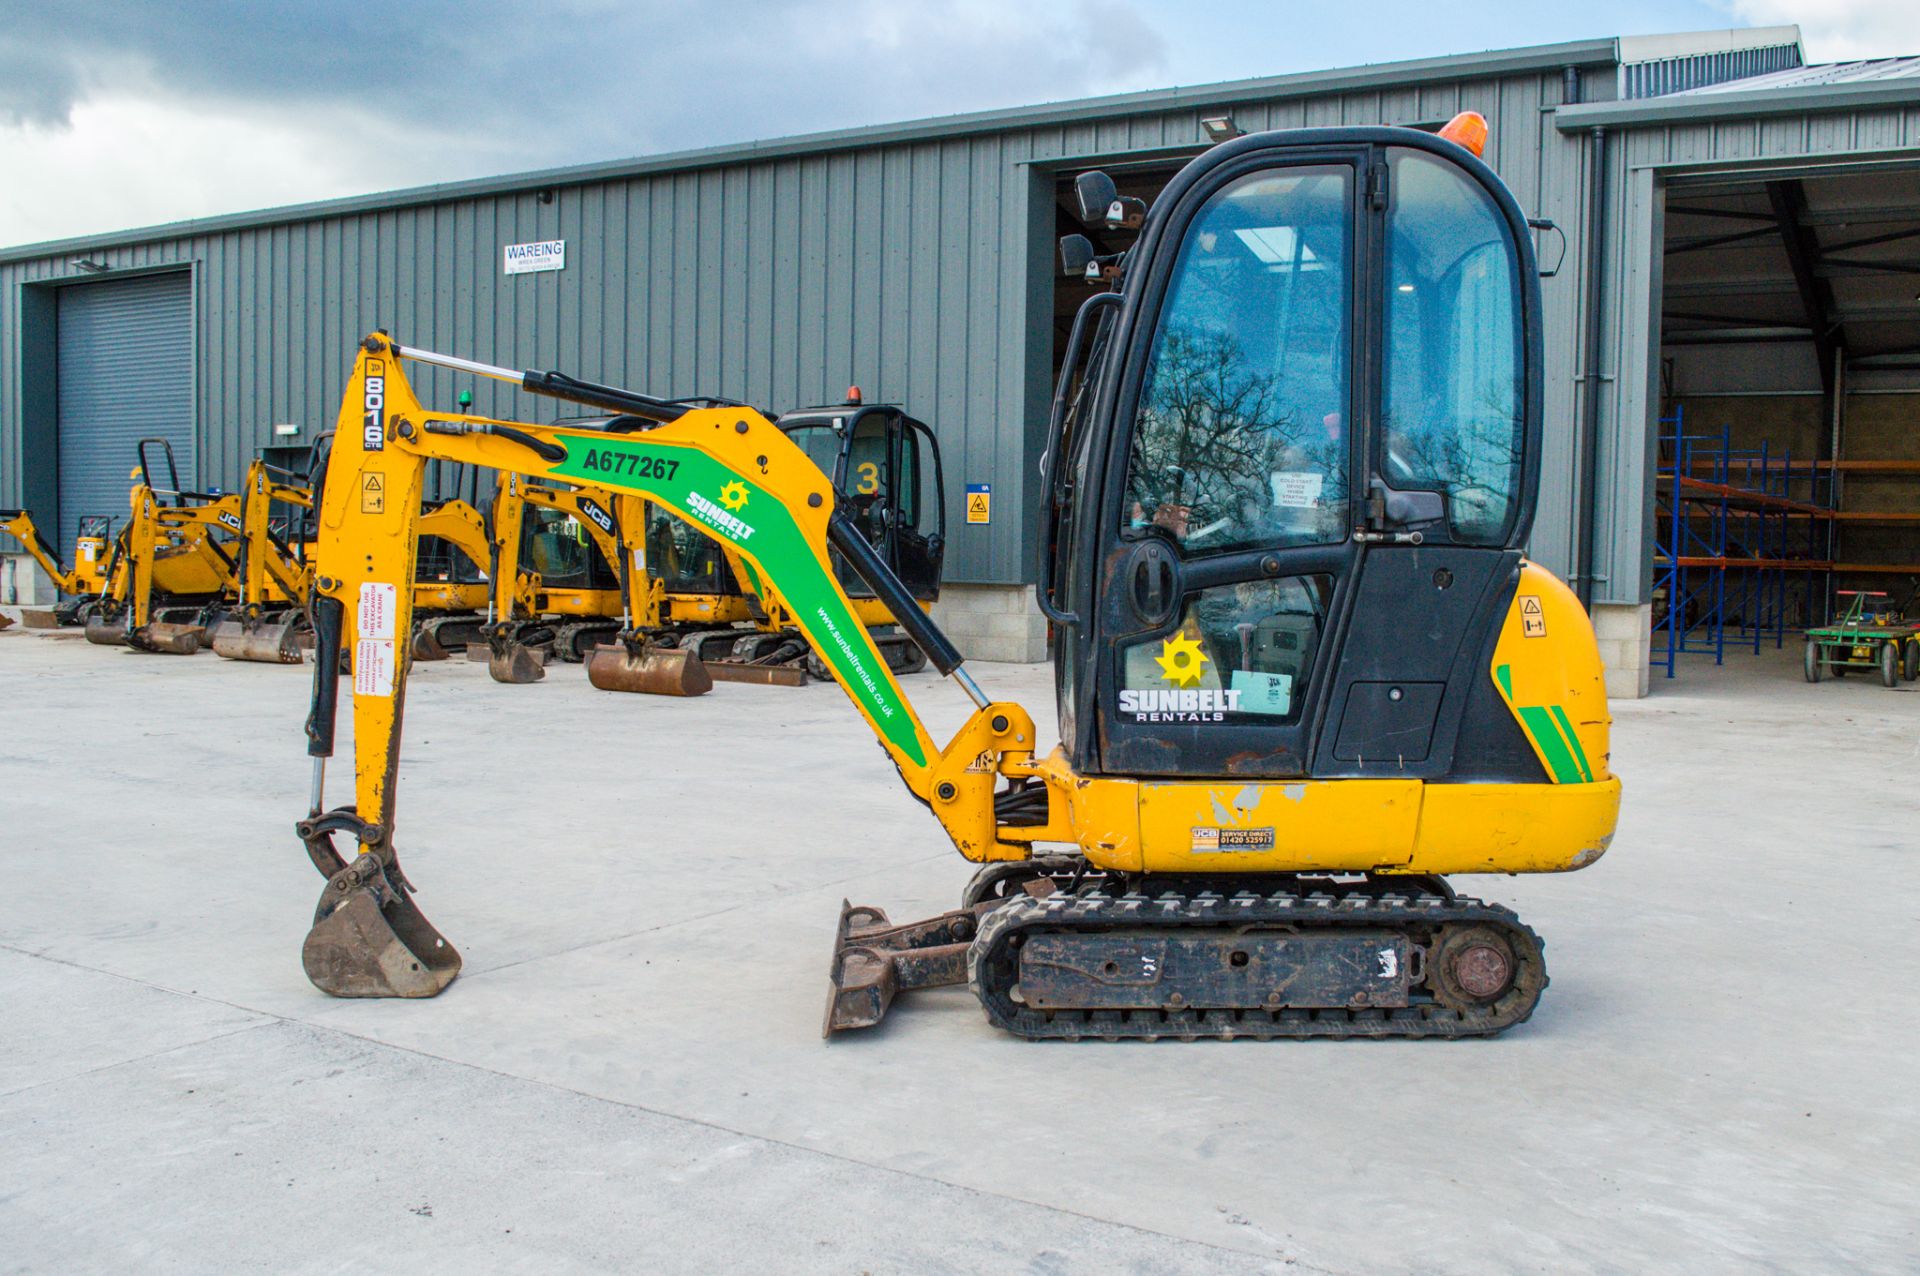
<point x="736" y="511"/>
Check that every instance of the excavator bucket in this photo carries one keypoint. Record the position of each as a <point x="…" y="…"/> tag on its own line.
<point x="648" y="670"/>
<point x="168" y="639"/>
<point x="6" y="621"/>
<point x="439" y="638"/>
<point x="511" y="661"/>
<point x="370" y="940"/>
<point x="106" y="632"/>
<point x="273" y="641"/>
<point x="873" y="960"/>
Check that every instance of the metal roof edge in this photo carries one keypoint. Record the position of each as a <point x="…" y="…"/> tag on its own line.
<point x="1299" y="84"/>
<point x="1735" y="104"/>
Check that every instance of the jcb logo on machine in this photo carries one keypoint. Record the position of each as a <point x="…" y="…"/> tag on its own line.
<point x="1209" y="839"/>
<point x="603" y="519"/>
<point x="229" y="521"/>
<point x="374" y="435"/>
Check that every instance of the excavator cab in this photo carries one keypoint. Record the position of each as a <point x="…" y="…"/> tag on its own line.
<point x="886" y="467"/>
<point x="1293" y="472"/>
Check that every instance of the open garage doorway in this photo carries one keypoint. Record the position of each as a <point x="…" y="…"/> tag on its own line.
<point x="1788" y="485"/>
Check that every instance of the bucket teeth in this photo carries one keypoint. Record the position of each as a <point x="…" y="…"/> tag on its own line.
<point x="370" y="940"/>
<point x="652" y="671"/>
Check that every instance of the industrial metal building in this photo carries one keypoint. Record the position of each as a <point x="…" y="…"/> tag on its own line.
<point x="1729" y="226"/>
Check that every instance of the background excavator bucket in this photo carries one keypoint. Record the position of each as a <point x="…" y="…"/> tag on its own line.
<point x="512" y="661"/>
<point x="106" y="632"/>
<point x="440" y="637"/>
<point x="648" y="670"/>
<point x="273" y="642"/>
<point x="370" y="940"/>
<point x="168" y="639"/>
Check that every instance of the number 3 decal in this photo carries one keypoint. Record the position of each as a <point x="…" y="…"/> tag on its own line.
<point x="869" y="479"/>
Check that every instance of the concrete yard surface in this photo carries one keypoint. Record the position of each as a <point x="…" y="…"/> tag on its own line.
<point x="629" y="1076"/>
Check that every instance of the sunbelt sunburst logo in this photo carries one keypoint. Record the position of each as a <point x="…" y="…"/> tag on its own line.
<point x="733" y="496"/>
<point x="1182" y="663"/>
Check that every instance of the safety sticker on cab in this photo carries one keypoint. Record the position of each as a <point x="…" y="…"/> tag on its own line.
<point x="1533" y="621"/>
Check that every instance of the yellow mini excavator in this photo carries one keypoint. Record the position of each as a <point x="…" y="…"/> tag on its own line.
<point x="86" y="579"/>
<point x="556" y="564"/>
<point x="267" y="621"/>
<point x="702" y="597"/>
<point x="1304" y="670"/>
<point x="174" y="562"/>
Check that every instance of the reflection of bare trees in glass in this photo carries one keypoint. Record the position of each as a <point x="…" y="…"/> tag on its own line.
<point x="1473" y="456"/>
<point x="1210" y="434"/>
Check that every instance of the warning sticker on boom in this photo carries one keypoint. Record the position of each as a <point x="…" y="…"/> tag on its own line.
<point x="373" y="495"/>
<point x="374" y="617"/>
<point x="373" y="667"/>
<point x="1533" y="622"/>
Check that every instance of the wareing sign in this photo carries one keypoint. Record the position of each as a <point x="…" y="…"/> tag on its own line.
<point x="521" y="259"/>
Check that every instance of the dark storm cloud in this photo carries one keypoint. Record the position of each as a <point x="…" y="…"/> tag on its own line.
<point x="576" y="79"/>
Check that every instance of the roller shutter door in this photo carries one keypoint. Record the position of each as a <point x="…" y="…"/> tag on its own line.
<point x="126" y="373"/>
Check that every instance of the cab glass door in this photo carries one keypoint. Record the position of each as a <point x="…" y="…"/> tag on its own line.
<point x="1232" y="531"/>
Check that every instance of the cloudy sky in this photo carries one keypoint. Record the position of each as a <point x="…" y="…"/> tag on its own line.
<point x="117" y="113"/>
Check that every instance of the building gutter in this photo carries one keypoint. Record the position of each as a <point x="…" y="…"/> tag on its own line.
<point x="1730" y="104"/>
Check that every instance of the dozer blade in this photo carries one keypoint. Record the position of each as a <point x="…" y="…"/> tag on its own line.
<point x="764" y="675"/>
<point x="107" y="633"/>
<point x="651" y="671"/>
<point x="370" y="940"/>
<point x="40" y="618"/>
<point x="873" y="960"/>
<point x="269" y="642"/>
<point x="168" y="639"/>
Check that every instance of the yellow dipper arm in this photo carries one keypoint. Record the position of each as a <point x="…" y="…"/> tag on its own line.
<point x="19" y="525"/>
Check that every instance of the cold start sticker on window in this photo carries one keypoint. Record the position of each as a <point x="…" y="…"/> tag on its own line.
<point x="373" y="667"/>
<point x="1297" y="489"/>
<point x="374" y="619"/>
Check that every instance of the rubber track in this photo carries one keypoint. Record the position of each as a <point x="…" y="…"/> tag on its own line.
<point x="992" y="969"/>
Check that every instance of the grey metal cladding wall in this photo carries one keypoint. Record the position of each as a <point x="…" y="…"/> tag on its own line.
<point x="904" y="267"/>
<point x="1624" y="491"/>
